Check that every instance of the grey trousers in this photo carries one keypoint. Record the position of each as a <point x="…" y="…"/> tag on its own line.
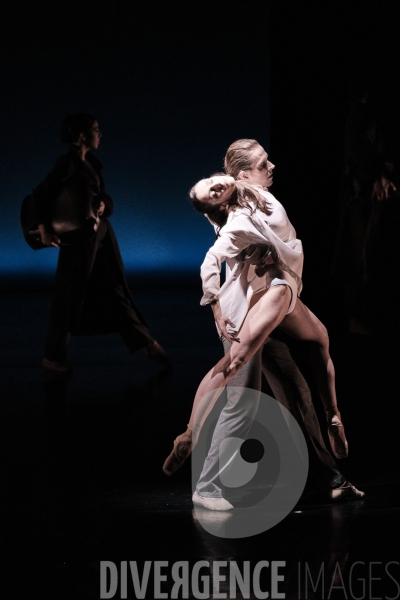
<point x="290" y="389"/>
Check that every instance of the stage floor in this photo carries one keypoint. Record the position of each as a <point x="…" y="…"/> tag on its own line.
<point x="81" y="463"/>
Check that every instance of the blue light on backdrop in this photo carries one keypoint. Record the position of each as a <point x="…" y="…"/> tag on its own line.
<point x="169" y="102"/>
<point x="159" y="232"/>
<point x="155" y="235"/>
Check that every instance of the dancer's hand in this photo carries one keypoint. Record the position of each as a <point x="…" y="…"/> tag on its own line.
<point x="259" y="254"/>
<point x="223" y="322"/>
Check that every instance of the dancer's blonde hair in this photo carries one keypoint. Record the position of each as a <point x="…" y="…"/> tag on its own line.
<point x="249" y="196"/>
<point x="238" y="157"/>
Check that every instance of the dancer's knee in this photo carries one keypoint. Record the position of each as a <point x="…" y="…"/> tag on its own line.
<point x="320" y="342"/>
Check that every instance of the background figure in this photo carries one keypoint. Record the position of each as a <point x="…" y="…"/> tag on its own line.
<point x="361" y="250"/>
<point x="90" y="294"/>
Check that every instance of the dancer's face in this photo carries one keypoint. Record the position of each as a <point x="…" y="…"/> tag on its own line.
<point x="261" y="172"/>
<point x="216" y="189"/>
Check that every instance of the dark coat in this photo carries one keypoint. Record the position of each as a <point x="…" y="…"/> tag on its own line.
<point x="91" y="271"/>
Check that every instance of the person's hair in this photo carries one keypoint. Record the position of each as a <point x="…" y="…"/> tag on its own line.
<point x="238" y="157"/>
<point x="203" y="206"/>
<point x="243" y="196"/>
<point x="73" y="125"/>
<point x="249" y="196"/>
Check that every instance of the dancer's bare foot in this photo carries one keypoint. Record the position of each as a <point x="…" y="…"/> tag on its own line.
<point x="336" y="434"/>
<point x="180" y="452"/>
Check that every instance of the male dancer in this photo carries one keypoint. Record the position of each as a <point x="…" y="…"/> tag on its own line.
<point x="247" y="160"/>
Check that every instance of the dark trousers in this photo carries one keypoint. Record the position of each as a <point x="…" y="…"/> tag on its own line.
<point x="290" y="389"/>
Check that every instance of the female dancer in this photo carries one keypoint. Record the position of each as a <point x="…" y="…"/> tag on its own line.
<point x="90" y="294"/>
<point x="271" y="292"/>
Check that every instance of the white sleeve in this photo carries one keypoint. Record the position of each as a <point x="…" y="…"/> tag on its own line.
<point x="234" y="238"/>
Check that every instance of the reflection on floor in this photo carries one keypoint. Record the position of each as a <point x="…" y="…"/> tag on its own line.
<point x="81" y="461"/>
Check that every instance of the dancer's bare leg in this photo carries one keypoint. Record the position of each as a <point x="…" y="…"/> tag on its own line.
<point x="267" y="310"/>
<point x="302" y="324"/>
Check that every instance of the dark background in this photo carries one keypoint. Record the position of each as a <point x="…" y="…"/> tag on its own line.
<point x="319" y="50"/>
<point x="172" y="87"/>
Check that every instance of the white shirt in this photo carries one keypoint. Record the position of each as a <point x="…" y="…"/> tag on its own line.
<point x="242" y="230"/>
